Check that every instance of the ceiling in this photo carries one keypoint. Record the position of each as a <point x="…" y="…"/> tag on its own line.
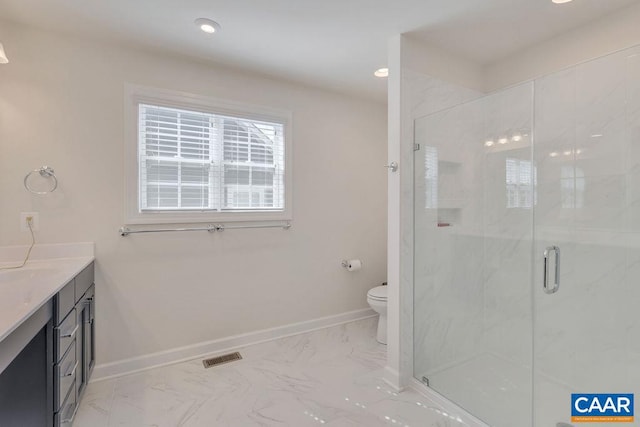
<point x="334" y="44"/>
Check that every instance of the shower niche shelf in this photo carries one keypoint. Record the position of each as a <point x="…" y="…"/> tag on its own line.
<point x="448" y="217"/>
<point x="451" y="186"/>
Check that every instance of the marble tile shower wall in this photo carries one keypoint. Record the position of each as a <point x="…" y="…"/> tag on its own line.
<point x="451" y="330"/>
<point x="508" y="224"/>
<point x="477" y="269"/>
<point x="422" y="95"/>
<point x="449" y="242"/>
<point x="473" y="285"/>
<point x="588" y="136"/>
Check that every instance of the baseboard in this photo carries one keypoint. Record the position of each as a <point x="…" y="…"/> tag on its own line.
<point x="392" y="378"/>
<point x="209" y="348"/>
<point x="446" y="404"/>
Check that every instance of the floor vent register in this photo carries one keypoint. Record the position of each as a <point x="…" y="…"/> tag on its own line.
<point x="220" y="360"/>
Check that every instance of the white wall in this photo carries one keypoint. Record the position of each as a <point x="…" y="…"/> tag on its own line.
<point x="603" y="36"/>
<point x="442" y="65"/>
<point x="614" y="32"/>
<point x="61" y="104"/>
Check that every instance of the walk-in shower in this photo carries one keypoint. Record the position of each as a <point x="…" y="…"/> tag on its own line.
<point x="549" y="167"/>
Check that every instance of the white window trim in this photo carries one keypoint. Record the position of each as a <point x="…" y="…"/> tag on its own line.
<point x="135" y="95"/>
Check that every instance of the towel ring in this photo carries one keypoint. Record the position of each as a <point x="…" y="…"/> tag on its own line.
<point x="45" y="172"/>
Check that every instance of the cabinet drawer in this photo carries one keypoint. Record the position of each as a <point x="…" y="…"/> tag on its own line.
<point x="64" y="417"/>
<point x="65" y="334"/>
<point x="63" y="302"/>
<point x="65" y="376"/>
<point x="84" y="280"/>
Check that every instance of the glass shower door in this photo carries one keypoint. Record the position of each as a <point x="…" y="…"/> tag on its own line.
<point x="496" y="190"/>
<point x="587" y="152"/>
<point x="474" y="192"/>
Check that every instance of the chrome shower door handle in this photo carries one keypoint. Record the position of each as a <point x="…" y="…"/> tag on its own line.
<point x="556" y="279"/>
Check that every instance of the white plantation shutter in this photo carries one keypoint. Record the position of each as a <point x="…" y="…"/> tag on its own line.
<point x="521" y="192"/>
<point x="253" y="165"/>
<point x="201" y="161"/>
<point x="431" y="177"/>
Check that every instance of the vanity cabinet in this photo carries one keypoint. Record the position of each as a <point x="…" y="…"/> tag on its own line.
<point x="86" y="352"/>
<point x="73" y="344"/>
<point x="26" y="384"/>
<point x="47" y="347"/>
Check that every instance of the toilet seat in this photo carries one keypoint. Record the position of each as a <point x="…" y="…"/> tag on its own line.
<point x="379" y="293"/>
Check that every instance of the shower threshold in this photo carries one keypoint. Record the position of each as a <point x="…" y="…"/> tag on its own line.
<point x="499" y="392"/>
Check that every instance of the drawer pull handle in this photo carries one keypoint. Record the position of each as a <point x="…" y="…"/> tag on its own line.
<point x="72" y="372"/>
<point x="90" y="303"/>
<point x="70" y="334"/>
<point x="88" y="313"/>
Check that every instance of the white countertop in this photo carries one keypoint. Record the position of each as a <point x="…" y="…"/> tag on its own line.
<point x="23" y="291"/>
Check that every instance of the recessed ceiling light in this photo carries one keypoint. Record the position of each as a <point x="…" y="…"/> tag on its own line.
<point x="488" y="143"/>
<point x="561" y="1"/>
<point x="503" y="141"/>
<point x="554" y="154"/>
<point x="381" y="72"/>
<point x="516" y="137"/>
<point x="207" y="25"/>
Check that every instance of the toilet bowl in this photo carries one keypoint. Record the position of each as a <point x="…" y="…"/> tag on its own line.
<point x="377" y="299"/>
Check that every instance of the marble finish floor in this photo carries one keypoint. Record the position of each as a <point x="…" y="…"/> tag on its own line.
<point x="495" y="390"/>
<point x="499" y="392"/>
<point x="327" y="377"/>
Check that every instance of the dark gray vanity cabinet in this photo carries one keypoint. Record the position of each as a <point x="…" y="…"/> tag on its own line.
<point x="46" y="361"/>
<point x="86" y="352"/>
<point x="74" y="344"/>
<point x="26" y="385"/>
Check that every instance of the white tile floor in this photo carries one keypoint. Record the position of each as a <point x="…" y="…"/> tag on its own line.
<point x="492" y="388"/>
<point x="331" y="376"/>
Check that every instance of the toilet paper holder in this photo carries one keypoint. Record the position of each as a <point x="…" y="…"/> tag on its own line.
<point x="351" y="264"/>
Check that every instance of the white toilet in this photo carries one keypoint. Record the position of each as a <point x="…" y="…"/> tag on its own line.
<point x="377" y="299"/>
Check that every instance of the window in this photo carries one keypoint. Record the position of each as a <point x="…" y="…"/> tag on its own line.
<point x="572" y="186"/>
<point x="198" y="162"/>
<point x="431" y="176"/>
<point x="190" y="160"/>
<point x="521" y="183"/>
